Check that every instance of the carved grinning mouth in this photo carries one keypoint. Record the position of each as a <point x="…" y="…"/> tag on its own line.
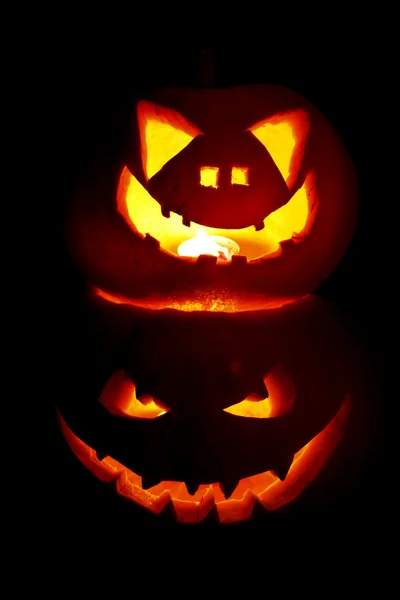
<point x="264" y="488"/>
<point x="267" y="489"/>
<point x="143" y="213"/>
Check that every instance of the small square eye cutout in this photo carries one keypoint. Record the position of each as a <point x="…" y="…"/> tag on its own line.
<point x="209" y="176"/>
<point x="240" y="176"/>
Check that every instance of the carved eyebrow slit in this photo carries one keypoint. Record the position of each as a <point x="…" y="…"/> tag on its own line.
<point x="273" y="396"/>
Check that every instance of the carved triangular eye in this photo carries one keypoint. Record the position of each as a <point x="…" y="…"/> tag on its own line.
<point x="284" y="136"/>
<point x="163" y="134"/>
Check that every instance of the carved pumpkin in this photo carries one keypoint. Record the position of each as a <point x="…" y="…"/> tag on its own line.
<point x="229" y="205"/>
<point x="211" y="414"/>
<point x="223" y="199"/>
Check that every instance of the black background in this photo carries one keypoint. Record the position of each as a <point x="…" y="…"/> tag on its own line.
<point x="91" y="84"/>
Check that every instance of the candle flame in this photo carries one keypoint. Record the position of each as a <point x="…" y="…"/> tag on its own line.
<point x="221" y="247"/>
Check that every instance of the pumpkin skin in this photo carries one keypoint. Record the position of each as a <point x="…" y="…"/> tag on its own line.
<point x="129" y="219"/>
<point x="197" y="457"/>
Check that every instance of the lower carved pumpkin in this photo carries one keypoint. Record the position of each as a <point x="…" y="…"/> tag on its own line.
<point x="211" y="414"/>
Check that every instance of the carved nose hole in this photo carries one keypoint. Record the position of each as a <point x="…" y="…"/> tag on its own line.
<point x="240" y="176"/>
<point x="209" y="176"/>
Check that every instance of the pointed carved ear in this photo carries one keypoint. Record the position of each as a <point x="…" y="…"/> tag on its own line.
<point x="163" y="134"/>
<point x="284" y="136"/>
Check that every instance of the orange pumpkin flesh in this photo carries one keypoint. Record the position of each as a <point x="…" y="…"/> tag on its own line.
<point x="264" y="488"/>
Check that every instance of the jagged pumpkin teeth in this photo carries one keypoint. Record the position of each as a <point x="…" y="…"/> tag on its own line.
<point x="228" y="487"/>
<point x="282" y="466"/>
<point x="191" y="487"/>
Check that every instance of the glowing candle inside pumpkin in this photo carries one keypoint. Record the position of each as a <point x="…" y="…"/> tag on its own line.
<point x="221" y="247"/>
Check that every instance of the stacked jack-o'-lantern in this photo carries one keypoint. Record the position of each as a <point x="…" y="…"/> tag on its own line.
<point x="221" y="383"/>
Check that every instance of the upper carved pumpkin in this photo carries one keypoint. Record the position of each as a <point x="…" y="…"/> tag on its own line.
<point x="242" y="195"/>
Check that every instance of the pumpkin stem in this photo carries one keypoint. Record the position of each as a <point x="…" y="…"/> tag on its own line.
<point x="206" y="68"/>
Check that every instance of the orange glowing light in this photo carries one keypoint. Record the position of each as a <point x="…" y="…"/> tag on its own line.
<point x="264" y="488"/>
<point x="163" y="134"/>
<point x="209" y="176"/>
<point x="240" y="176"/>
<point x="221" y="247"/>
